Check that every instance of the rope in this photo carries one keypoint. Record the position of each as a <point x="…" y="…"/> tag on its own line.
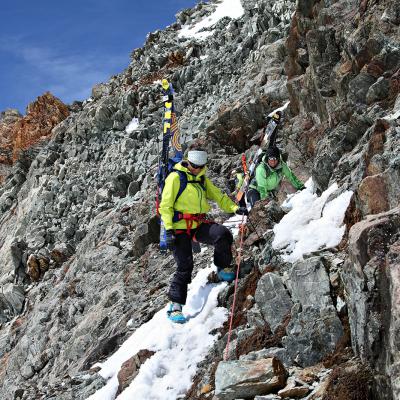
<point x="239" y="259"/>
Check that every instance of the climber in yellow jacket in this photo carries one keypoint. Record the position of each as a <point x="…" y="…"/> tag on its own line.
<point x="184" y="219"/>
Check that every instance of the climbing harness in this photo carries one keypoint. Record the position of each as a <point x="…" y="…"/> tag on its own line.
<point x="189" y="219"/>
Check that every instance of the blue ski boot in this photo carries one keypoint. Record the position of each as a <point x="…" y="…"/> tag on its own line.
<point x="175" y="313"/>
<point x="226" y="274"/>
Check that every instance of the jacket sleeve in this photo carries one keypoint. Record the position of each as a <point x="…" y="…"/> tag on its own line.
<point x="296" y="182"/>
<point x="169" y="193"/>
<point x="261" y="178"/>
<point x="222" y="199"/>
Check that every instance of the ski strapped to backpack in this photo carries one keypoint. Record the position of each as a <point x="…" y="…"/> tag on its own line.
<point x="268" y="140"/>
<point x="170" y="137"/>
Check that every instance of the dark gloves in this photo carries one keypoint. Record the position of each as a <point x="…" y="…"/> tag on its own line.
<point x="170" y="239"/>
<point x="242" y="211"/>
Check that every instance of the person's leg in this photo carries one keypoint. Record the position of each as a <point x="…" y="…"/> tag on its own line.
<point x="252" y="197"/>
<point x="183" y="275"/>
<point x="221" y="238"/>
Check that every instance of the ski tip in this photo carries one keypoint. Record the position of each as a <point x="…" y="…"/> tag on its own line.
<point x="283" y="108"/>
<point x="165" y="84"/>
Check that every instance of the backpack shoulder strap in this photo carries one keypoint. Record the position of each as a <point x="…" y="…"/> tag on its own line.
<point x="203" y="182"/>
<point x="183" y="183"/>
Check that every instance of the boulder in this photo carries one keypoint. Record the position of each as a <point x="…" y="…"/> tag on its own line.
<point x="371" y="279"/>
<point x="273" y="299"/>
<point x="130" y="368"/>
<point x="309" y="283"/>
<point x="312" y="333"/>
<point x="246" y="379"/>
<point x="294" y="389"/>
<point x="278" y="352"/>
<point x="12" y="299"/>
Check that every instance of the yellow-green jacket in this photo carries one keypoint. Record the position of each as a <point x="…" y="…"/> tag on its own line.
<point x="239" y="181"/>
<point x="193" y="199"/>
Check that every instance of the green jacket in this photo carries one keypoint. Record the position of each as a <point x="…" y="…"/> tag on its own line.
<point x="268" y="179"/>
<point x="193" y="200"/>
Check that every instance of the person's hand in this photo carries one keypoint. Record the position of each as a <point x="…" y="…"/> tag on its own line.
<point x="170" y="239"/>
<point x="242" y="211"/>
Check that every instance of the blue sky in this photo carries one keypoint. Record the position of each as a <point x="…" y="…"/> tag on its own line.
<point x="67" y="47"/>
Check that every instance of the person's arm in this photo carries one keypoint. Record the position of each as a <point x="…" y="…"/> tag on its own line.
<point x="223" y="201"/>
<point x="261" y="178"/>
<point x="296" y="182"/>
<point x="169" y="193"/>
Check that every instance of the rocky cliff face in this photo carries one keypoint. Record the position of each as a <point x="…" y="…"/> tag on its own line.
<point x="8" y="119"/>
<point x="18" y="133"/>
<point x="78" y="233"/>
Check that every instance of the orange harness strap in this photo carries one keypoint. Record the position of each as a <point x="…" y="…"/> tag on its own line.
<point x="190" y="218"/>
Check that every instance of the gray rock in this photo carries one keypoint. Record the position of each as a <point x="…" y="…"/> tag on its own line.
<point x="278" y="352"/>
<point x="359" y="87"/>
<point x="370" y="281"/>
<point x="255" y="317"/>
<point x="239" y="379"/>
<point x="312" y="333"/>
<point x="309" y="283"/>
<point x="273" y="299"/>
<point x="378" y="91"/>
<point x="12" y="298"/>
<point x="100" y="90"/>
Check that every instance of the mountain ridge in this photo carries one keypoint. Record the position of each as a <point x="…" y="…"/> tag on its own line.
<point x="77" y="222"/>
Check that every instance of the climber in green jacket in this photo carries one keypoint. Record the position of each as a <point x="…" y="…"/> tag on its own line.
<point x="269" y="174"/>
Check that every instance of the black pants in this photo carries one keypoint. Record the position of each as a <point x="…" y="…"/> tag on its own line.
<point x="252" y="197"/>
<point x="217" y="235"/>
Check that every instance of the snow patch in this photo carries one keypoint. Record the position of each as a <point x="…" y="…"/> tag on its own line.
<point x="234" y="222"/>
<point x="312" y="223"/>
<point x="227" y="8"/>
<point x="132" y="125"/>
<point x="391" y="117"/>
<point x="179" y="348"/>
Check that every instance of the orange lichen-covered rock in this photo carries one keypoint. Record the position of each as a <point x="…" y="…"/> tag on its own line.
<point x="18" y="133"/>
<point x="41" y="117"/>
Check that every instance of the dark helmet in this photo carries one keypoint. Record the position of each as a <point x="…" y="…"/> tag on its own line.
<point x="273" y="152"/>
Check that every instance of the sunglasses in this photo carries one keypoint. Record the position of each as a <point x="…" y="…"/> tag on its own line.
<point x="272" y="159"/>
<point x="195" y="166"/>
